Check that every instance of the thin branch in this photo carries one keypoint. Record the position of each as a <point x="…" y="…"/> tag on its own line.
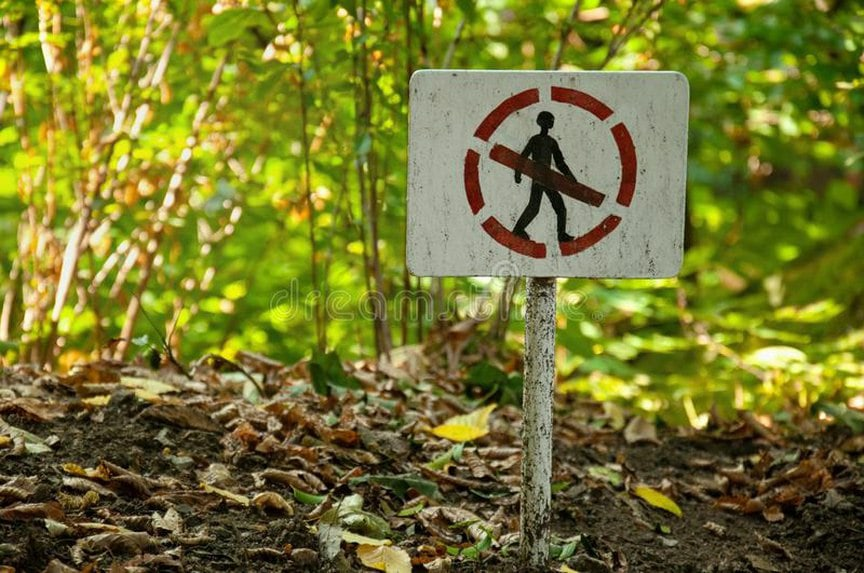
<point x="454" y="43"/>
<point x="629" y="29"/>
<point x="566" y="28"/>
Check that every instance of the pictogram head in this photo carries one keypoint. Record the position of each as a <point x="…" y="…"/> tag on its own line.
<point x="545" y="120"/>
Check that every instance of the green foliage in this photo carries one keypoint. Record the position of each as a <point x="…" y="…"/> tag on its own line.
<point x="325" y="369"/>
<point x="252" y="126"/>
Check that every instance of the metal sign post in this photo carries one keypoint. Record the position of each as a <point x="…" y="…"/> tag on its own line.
<point x="545" y="174"/>
<point x="536" y="502"/>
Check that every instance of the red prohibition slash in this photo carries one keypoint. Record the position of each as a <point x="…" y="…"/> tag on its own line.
<point x="545" y="175"/>
<point x="548" y="177"/>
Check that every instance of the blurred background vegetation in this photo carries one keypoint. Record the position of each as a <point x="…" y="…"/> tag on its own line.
<point x="215" y="171"/>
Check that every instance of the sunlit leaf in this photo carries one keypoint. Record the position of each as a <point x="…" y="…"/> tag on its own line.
<point x="776" y="357"/>
<point x="98" y="401"/>
<point x="145" y="388"/>
<point x="241" y="499"/>
<point x="466" y="427"/>
<point x="351" y="537"/>
<point x="657" y="499"/>
<point x="385" y="558"/>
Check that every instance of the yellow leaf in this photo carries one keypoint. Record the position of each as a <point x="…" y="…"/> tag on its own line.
<point x="466" y="427"/>
<point x="5" y="441"/>
<point x="363" y="540"/>
<point x="98" y="472"/>
<point x="385" y="558"/>
<point x="241" y="499"/>
<point x="657" y="499"/>
<point x="567" y="569"/>
<point x="146" y="389"/>
<point x="97" y="400"/>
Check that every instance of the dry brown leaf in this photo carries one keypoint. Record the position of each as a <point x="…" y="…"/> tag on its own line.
<point x="300" y="479"/>
<point x="640" y="430"/>
<point x="773" y="514"/>
<point x="171" y="521"/>
<point x="740" y="503"/>
<point x="273" y="501"/>
<point x="183" y="416"/>
<point x="57" y="566"/>
<point x="33" y="409"/>
<point x="18" y="489"/>
<point x="125" y="542"/>
<point x="235" y="497"/>
<point x="83" y="484"/>
<point x="194" y="498"/>
<point x="24" y="511"/>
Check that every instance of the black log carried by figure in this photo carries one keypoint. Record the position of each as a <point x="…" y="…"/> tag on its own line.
<point x="542" y="149"/>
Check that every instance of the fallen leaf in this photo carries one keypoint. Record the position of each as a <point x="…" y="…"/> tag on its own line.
<point x="171" y="521"/>
<point x="145" y="388"/>
<point x="122" y="542"/>
<point x="401" y="484"/>
<point x="385" y="558"/>
<point x="241" y="499"/>
<point x="308" y="498"/>
<point x="272" y="500"/>
<point x="32" y="444"/>
<point x="350" y="537"/>
<point x="97" y="401"/>
<point x="24" y="511"/>
<point x="466" y="427"/>
<point x="606" y="473"/>
<point x="773" y="514"/>
<point x="657" y="499"/>
<point x="329" y="540"/>
<point x="740" y="503"/>
<point x="640" y="430"/>
<point x="183" y="416"/>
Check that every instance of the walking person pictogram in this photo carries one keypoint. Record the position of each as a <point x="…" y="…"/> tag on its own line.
<point x="543" y="148"/>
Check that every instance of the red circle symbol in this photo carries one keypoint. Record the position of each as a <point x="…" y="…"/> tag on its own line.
<point x="545" y="175"/>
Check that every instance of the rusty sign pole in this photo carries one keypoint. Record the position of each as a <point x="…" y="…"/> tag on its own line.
<point x="536" y="500"/>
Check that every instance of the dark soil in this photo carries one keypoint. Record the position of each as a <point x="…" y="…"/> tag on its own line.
<point x="814" y="482"/>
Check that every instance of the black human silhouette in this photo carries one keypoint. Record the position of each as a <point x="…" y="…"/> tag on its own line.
<point x="543" y="148"/>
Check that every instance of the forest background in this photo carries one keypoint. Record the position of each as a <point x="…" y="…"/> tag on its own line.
<point x="232" y="175"/>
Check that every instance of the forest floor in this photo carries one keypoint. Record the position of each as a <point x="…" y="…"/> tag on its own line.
<point x="117" y="467"/>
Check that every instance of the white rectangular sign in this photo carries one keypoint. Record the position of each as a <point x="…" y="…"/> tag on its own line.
<point x="547" y="174"/>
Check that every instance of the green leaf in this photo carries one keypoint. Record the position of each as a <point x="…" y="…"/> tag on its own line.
<point x="400" y="484"/>
<point x="230" y="25"/>
<point x="606" y="474"/>
<point x="852" y="418"/>
<point x="474" y="551"/>
<point x="468" y="7"/>
<point x="442" y="461"/>
<point x="325" y="368"/>
<point x="308" y="498"/>
<point x="412" y="509"/>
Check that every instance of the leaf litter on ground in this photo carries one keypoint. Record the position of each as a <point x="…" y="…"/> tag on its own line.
<point x="298" y="475"/>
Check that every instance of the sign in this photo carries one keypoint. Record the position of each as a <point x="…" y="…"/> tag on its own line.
<point x="547" y="174"/>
